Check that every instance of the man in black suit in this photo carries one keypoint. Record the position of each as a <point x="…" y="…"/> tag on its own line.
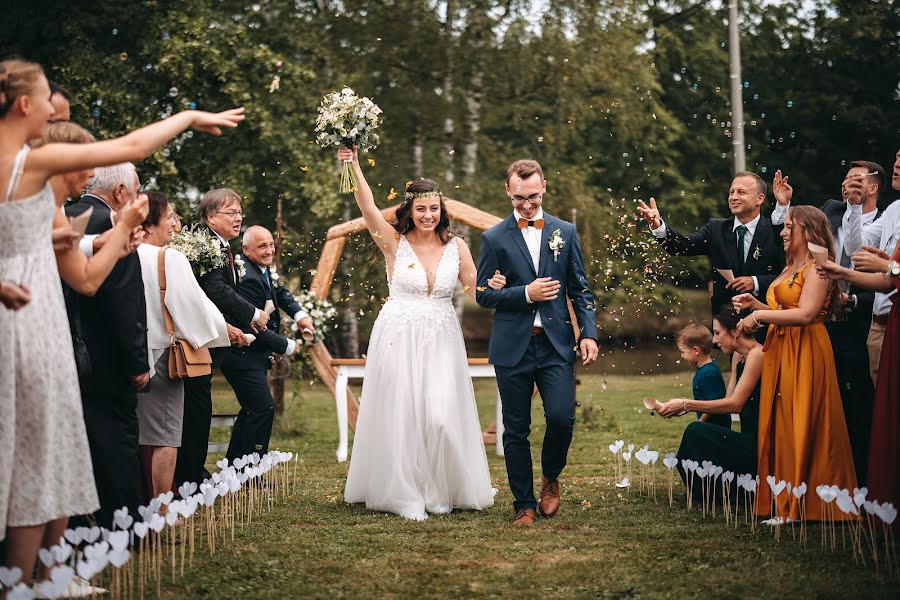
<point x="745" y="244"/>
<point x="245" y="368"/>
<point x="860" y="192"/>
<point x="114" y="328"/>
<point x="220" y="210"/>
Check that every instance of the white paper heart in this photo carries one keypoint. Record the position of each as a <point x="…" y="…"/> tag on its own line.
<point x="702" y="471"/>
<point x="92" y="535"/>
<point x="20" y="592"/>
<point x="624" y="483"/>
<point x="85" y="569"/>
<point x="157" y="523"/>
<point x="61" y="575"/>
<point x="670" y="462"/>
<point x="10" y="577"/>
<point x="62" y="552"/>
<point x="888" y="513"/>
<point x="140" y="529"/>
<point x="46" y="557"/>
<point x="118" y="540"/>
<point x="728" y="476"/>
<point x="222" y="464"/>
<point x="72" y="536"/>
<point x="119" y="557"/>
<point x="779" y="487"/>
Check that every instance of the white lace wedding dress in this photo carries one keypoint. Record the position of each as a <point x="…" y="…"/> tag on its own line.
<point x="418" y="447"/>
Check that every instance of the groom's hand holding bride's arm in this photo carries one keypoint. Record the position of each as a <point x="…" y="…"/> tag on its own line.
<point x="381" y="231"/>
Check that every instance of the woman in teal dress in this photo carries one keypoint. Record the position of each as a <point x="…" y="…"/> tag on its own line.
<point x="734" y="451"/>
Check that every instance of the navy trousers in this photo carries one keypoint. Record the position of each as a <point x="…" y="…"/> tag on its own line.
<point x="253" y="426"/>
<point x="555" y="379"/>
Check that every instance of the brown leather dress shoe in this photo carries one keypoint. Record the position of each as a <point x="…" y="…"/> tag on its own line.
<point x="525" y="517"/>
<point x="549" y="503"/>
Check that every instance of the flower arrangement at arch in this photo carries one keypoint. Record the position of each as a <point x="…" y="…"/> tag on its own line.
<point x="322" y="313"/>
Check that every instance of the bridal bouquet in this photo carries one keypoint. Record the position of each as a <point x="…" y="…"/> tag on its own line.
<point x="202" y="249"/>
<point x="347" y="120"/>
<point x="322" y="312"/>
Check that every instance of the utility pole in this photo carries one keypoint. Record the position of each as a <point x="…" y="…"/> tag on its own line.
<point x="737" y="102"/>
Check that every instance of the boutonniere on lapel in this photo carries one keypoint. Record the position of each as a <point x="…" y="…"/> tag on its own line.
<point x="239" y="266"/>
<point x="756" y="253"/>
<point x="273" y="274"/>
<point x="556" y="243"/>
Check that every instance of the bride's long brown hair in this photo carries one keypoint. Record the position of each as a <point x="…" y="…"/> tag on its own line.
<point x="817" y="230"/>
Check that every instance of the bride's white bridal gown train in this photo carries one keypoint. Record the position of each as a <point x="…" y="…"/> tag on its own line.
<point x="418" y="447"/>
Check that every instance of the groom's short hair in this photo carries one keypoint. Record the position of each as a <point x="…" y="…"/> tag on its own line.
<point x="215" y="199"/>
<point x="524" y="169"/>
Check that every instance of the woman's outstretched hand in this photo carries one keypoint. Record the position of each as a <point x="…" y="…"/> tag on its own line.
<point x="672" y="408"/>
<point x="212" y="123"/>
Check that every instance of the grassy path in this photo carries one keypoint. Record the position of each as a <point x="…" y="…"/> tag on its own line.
<point x="604" y="543"/>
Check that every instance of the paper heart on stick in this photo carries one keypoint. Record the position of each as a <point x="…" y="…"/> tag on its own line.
<point x="140" y="529"/>
<point x="624" y="483"/>
<point x="779" y="487"/>
<point x="46" y="557"/>
<point x="171" y="517"/>
<point x="702" y="472"/>
<point x="71" y="536"/>
<point x="9" y="577"/>
<point x="157" y="523"/>
<point x="119" y="557"/>
<point x="846" y="505"/>
<point x="826" y="493"/>
<point x="95" y="551"/>
<point x="167" y="497"/>
<point x="626" y="456"/>
<point x="222" y="464"/>
<point x="859" y="496"/>
<point x="613" y="448"/>
<point x="62" y="552"/>
<point x="728" y="476"/>
<point x="118" y="540"/>
<point x="799" y="490"/>
<point x="887" y="513"/>
<point x="670" y="462"/>
<point x="92" y="535"/>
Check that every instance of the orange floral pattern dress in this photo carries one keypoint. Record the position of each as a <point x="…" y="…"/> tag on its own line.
<point x="802" y="433"/>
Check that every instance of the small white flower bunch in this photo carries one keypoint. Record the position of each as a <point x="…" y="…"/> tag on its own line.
<point x="556" y="243"/>
<point x="273" y="274"/>
<point x="322" y="312"/>
<point x="239" y="266"/>
<point x="202" y="249"/>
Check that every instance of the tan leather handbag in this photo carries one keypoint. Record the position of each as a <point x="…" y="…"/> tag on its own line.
<point x="184" y="359"/>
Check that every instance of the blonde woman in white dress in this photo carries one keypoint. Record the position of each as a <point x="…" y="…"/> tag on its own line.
<point x="45" y="465"/>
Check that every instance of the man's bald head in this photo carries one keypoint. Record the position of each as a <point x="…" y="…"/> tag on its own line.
<point x="258" y="245"/>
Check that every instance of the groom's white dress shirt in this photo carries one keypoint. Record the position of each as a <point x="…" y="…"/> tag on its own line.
<point x="532" y="237"/>
<point x="299" y="316"/>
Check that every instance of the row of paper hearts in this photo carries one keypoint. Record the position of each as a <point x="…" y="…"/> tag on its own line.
<point x="846" y="502"/>
<point x="113" y="548"/>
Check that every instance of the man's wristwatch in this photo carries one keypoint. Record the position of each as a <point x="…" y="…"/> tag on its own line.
<point x="893" y="269"/>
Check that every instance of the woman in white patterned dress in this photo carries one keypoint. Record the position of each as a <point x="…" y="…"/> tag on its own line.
<point x="45" y="466"/>
<point x="418" y="447"/>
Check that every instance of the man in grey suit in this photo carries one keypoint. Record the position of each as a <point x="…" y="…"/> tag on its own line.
<point x="532" y="338"/>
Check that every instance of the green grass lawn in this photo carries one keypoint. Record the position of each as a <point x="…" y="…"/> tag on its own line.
<point x="603" y="543"/>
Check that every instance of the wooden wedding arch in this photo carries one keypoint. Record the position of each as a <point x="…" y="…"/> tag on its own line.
<point x="328" y="262"/>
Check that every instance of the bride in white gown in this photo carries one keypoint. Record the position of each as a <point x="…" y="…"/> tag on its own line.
<point x="418" y="447"/>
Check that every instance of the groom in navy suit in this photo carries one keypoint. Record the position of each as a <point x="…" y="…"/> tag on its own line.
<point x="532" y="339"/>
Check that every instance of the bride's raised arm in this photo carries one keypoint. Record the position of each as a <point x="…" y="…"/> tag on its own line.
<point x="382" y="231"/>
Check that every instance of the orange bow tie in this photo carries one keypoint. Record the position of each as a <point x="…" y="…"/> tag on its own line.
<point x="537" y="224"/>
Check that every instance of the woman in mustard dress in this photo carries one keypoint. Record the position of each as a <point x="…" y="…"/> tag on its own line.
<point x="802" y="434"/>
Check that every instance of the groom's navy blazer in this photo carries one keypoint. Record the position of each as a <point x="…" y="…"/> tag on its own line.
<point x="503" y="248"/>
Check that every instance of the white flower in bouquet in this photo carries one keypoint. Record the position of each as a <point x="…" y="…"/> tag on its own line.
<point x="347" y="120"/>
<point x="202" y="249"/>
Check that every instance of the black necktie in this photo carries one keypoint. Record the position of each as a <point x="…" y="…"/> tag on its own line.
<point x="741" y="231"/>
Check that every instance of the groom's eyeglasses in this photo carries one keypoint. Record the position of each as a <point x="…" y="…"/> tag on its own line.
<point x="532" y="199"/>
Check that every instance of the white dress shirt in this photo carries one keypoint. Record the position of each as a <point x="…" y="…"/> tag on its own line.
<point x="839" y="238"/>
<point x="660" y="232"/>
<point x="298" y="316"/>
<point x="257" y="313"/>
<point x="194" y="316"/>
<point x="884" y="233"/>
<point x="532" y="237"/>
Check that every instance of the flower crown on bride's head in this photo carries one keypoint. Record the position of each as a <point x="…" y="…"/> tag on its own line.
<point x="428" y="194"/>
